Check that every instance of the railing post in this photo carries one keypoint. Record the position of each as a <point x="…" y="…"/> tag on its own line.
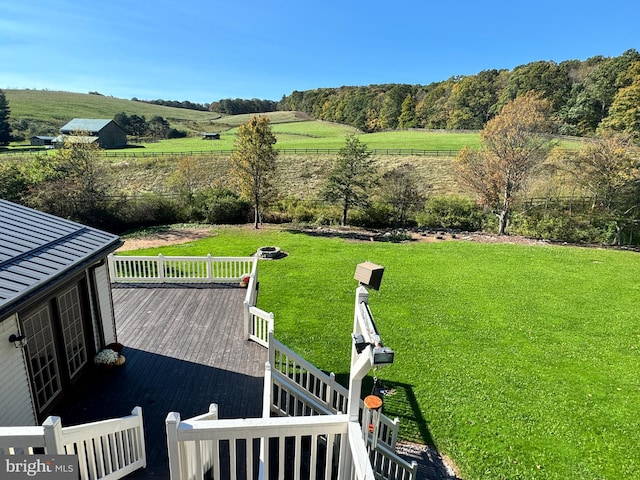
<point x="209" y="265"/>
<point x="53" y="439"/>
<point x="137" y="412"/>
<point x="330" y="389"/>
<point x="247" y="319"/>
<point x="112" y="268"/>
<point x="172" y="423"/>
<point x="267" y="391"/>
<point x="160" y="267"/>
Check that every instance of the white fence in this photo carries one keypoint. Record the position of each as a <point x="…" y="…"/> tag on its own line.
<point x="321" y="448"/>
<point x="163" y="269"/>
<point x="317" y="391"/>
<point x="106" y="450"/>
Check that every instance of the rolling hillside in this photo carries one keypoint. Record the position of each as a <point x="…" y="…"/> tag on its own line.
<point x="49" y="110"/>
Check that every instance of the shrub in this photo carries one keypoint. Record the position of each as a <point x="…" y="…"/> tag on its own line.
<point x="219" y="205"/>
<point x="376" y="215"/>
<point x="458" y="213"/>
<point x="128" y="213"/>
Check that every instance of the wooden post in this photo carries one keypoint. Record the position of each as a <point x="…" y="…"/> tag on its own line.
<point x="53" y="439"/>
<point x="172" y="423"/>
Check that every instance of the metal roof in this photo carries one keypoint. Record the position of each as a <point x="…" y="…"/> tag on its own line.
<point x="85" y="125"/>
<point x="36" y="248"/>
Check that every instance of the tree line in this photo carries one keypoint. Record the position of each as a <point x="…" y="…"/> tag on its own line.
<point x="584" y="95"/>
<point x="138" y="126"/>
<point x="494" y="181"/>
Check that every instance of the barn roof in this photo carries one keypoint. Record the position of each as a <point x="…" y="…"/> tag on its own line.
<point x="37" y="248"/>
<point x="85" y="125"/>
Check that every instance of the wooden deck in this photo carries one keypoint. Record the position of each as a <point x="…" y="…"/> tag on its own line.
<point x="184" y="349"/>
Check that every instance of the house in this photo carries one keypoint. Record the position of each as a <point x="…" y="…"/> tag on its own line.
<point x="211" y="136"/>
<point x="55" y="309"/>
<point x="41" y="140"/>
<point x="106" y="132"/>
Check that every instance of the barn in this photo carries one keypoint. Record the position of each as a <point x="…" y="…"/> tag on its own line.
<point x="106" y="132"/>
<point x="56" y="309"/>
<point x="41" y="140"/>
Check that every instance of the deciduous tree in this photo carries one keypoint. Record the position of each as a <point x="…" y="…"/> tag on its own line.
<point x="350" y="177"/>
<point x="400" y="190"/>
<point x="515" y="145"/>
<point x="253" y="162"/>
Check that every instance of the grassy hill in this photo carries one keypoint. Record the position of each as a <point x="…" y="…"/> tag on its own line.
<point x="51" y="109"/>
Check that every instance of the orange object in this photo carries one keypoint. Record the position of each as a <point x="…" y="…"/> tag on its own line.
<point x="373" y="402"/>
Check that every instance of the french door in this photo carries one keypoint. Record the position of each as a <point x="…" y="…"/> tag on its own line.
<point x="57" y="349"/>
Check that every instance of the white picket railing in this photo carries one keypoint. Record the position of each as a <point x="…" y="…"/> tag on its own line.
<point x="161" y="269"/>
<point x="106" y="450"/>
<point x="321" y="447"/>
<point x="288" y="367"/>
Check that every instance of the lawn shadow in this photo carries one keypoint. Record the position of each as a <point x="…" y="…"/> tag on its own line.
<point x="417" y="444"/>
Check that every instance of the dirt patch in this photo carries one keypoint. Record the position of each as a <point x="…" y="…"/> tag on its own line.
<point x="171" y="236"/>
<point x="178" y="235"/>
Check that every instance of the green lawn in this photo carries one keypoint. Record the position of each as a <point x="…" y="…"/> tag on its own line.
<point x="516" y="361"/>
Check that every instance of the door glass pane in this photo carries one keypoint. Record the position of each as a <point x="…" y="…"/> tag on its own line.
<point x="72" y="330"/>
<point x="41" y="354"/>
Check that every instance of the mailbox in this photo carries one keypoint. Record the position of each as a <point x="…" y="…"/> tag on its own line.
<point x="369" y="274"/>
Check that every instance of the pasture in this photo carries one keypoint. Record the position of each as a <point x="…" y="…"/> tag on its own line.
<point x="515" y="361"/>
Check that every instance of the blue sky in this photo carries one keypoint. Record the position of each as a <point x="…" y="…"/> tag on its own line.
<point x="203" y="51"/>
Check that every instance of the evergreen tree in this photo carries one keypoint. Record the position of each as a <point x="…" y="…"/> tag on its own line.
<point x="5" y="128"/>
<point x="407" y="118"/>
<point x="350" y="176"/>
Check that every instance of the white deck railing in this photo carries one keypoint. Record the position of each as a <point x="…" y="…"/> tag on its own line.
<point x="322" y="447"/>
<point x="163" y="269"/>
<point x="316" y="389"/>
<point x="106" y="450"/>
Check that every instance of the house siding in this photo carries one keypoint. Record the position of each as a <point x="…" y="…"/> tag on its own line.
<point x="17" y="406"/>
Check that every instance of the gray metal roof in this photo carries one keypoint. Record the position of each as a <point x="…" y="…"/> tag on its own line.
<point x="85" y="125"/>
<point x="36" y="248"/>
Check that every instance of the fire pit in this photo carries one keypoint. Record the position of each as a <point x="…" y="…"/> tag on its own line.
<point x="269" y="252"/>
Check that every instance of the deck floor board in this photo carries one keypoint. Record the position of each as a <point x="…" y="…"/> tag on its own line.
<point x="184" y="349"/>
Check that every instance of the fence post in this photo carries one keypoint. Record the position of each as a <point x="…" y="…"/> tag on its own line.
<point x="137" y="412"/>
<point x="330" y="390"/>
<point x="111" y="263"/>
<point x="247" y="320"/>
<point x="209" y="265"/>
<point x="53" y="440"/>
<point x="172" y="423"/>
<point x="160" y="267"/>
<point x="267" y="391"/>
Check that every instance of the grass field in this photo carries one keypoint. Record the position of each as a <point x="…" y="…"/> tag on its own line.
<point x="316" y="134"/>
<point x="518" y="362"/>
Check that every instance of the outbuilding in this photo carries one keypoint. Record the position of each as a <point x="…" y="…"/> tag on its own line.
<point x="41" y="140"/>
<point x="56" y="309"/>
<point x="106" y="132"/>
